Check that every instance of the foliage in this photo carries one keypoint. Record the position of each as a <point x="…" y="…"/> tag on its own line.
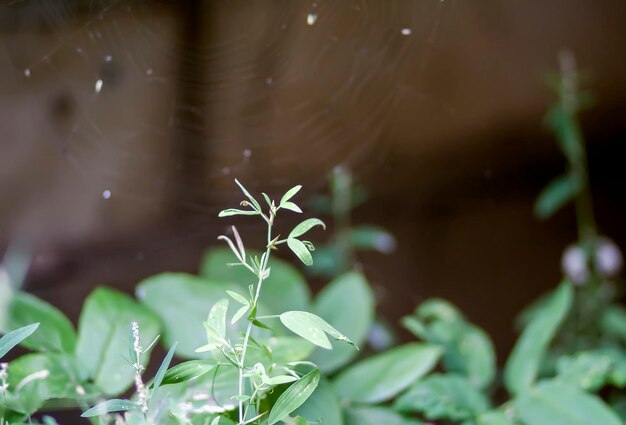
<point x="248" y="344"/>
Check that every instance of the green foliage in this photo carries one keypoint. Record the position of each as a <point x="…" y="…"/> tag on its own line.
<point x="11" y="339"/>
<point x="381" y="377"/>
<point x="523" y="365"/>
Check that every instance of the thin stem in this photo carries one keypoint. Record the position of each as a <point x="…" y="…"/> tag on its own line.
<point x="244" y="349"/>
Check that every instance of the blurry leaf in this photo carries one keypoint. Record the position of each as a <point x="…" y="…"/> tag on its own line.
<point x="301" y="251"/>
<point x="534" y="309"/>
<point x="11" y="339"/>
<point x="289" y="194"/>
<point x="613" y="322"/>
<point x="468" y="350"/>
<point x="312" y="328"/>
<point x="285" y="288"/>
<point x="294" y="397"/>
<point x="217" y="317"/>
<point x="114" y="405"/>
<point x="568" y="137"/>
<point x="551" y="403"/>
<point x="377" y="416"/>
<point x="384" y="375"/>
<point x="56" y="332"/>
<point x="493" y="417"/>
<point x="37" y="378"/>
<point x="182" y="301"/>
<point x="305" y="226"/>
<point x="285" y="349"/>
<point x="239" y="298"/>
<point x="449" y="397"/>
<point x="381" y="335"/>
<point x="239" y="314"/>
<point x="555" y="195"/>
<point x="233" y="211"/>
<point x="102" y="337"/>
<point x="322" y="406"/>
<point x="586" y="370"/>
<point x="327" y="262"/>
<point x="187" y="371"/>
<point x="372" y="237"/>
<point x="522" y="367"/>
<point x="354" y="318"/>
<point x="165" y="364"/>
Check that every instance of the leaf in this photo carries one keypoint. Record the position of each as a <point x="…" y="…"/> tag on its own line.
<point x="56" y="332"/>
<point x="354" y="318"/>
<point x="294" y="397"/>
<point x="372" y="237"/>
<point x="239" y="298"/>
<point x="239" y="314"/>
<point x="312" y="328"/>
<point x="187" y="371"/>
<point x="234" y="211"/>
<point x="114" y="405"/>
<point x="551" y="403"/>
<point x="182" y="302"/>
<point x="250" y="197"/>
<point x="158" y="377"/>
<point x="11" y="339"/>
<point x="322" y="407"/>
<point x="217" y="317"/>
<point x="301" y="251"/>
<point x="376" y="415"/>
<point x="291" y="207"/>
<point x="522" y="367"/>
<point x="555" y="195"/>
<point x="613" y="322"/>
<point x="289" y="194"/>
<point x="450" y="397"/>
<point x="285" y="288"/>
<point x="468" y="350"/>
<point x="384" y="375"/>
<point x="587" y="370"/>
<point x="39" y="377"/>
<point x="493" y="417"/>
<point x="102" y="337"/>
<point x="305" y="226"/>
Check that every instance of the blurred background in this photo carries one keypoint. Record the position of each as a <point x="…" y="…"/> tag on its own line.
<point x="124" y="123"/>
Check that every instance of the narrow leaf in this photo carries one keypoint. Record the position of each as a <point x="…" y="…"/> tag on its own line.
<point x="158" y="378"/>
<point x="250" y="197"/>
<point x="289" y="194"/>
<point x="312" y="328"/>
<point x="294" y="396"/>
<point x="291" y="207"/>
<point x="114" y="405"/>
<point x="305" y="226"/>
<point x="555" y="195"/>
<point x="301" y="251"/>
<point x="234" y="211"/>
<point x="186" y="371"/>
<point x="11" y="339"/>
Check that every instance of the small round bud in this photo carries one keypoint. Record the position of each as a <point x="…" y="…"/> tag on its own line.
<point x="574" y="264"/>
<point x="608" y="258"/>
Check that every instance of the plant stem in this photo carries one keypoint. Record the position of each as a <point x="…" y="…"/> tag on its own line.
<point x="244" y="349"/>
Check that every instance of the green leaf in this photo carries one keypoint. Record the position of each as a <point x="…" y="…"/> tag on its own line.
<point x="102" y="337"/>
<point x="11" y="339"/>
<point x="187" y="371"/>
<point x="234" y="211"/>
<point x="381" y="377"/>
<point x="450" y="397"/>
<point x="468" y="350"/>
<point x="165" y="364"/>
<point x="551" y="403"/>
<point x="354" y="318"/>
<point x="301" y="251"/>
<point x="239" y="314"/>
<point x="555" y="195"/>
<point x="522" y="367"/>
<point x="587" y="370"/>
<point x="285" y="288"/>
<point x="182" y="301"/>
<point x="305" y="226"/>
<point x="56" y="332"/>
<point x="322" y="407"/>
<point x="613" y="322"/>
<point x="493" y="417"/>
<point x="289" y="194"/>
<point x="312" y="328"/>
<point x="291" y="207"/>
<point x="376" y="416"/>
<point x="294" y="397"/>
<point x="217" y="317"/>
<point x="239" y="298"/>
<point x="114" y="405"/>
<point x="37" y="378"/>
<point x="250" y="197"/>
